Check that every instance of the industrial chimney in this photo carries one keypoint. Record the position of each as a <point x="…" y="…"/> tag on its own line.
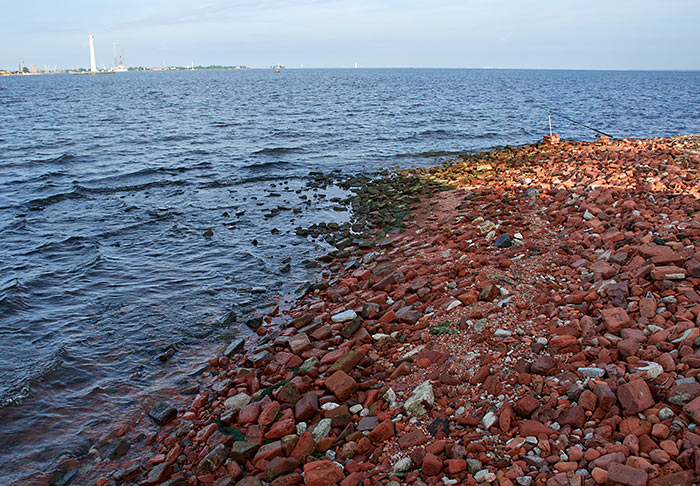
<point x="93" y="67"/>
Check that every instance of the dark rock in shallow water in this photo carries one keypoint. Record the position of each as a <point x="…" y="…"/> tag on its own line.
<point x="162" y="413"/>
<point x="175" y="482"/>
<point x="285" y="268"/>
<point x="120" y="449"/>
<point x="189" y="389"/>
<point x="254" y="322"/>
<point x="230" y="318"/>
<point x="66" y="479"/>
<point x="503" y="241"/>
<point x="165" y="355"/>
<point x="208" y="233"/>
<point x="126" y="474"/>
<point x="235" y="345"/>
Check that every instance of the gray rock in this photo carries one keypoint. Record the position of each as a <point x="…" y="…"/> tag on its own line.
<point x="238" y="401"/>
<point x="344" y="316"/>
<point x="532" y="192"/>
<point x="592" y="372"/>
<point x="651" y="369"/>
<point x="120" y="449"/>
<point x="488" y="420"/>
<point x="126" y="474"/>
<point x="234" y="346"/>
<point x="665" y="414"/>
<point x="242" y="450"/>
<point x="322" y="429"/>
<point x="474" y="465"/>
<point x="524" y="480"/>
<point x="214" y="459"/>
<point x="484" y="476"/>
<point x="421" y="400"/>
<point x="403" y="465"/>
<point x="503" y="241"/>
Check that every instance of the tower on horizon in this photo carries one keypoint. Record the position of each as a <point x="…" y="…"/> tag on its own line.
<point x="93" y="66"/>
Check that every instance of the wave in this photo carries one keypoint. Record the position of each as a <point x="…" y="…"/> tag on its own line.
<point x="71" y="242"/>
<point x="61" y="159"/>
<point x="266" y="165"/>
<point x="130" y="187"/>
<point x="44" y="202"/>
<point x="14" y="392"/>
<point x="225" y="124"/>
<point x="176" y="138"/>
<point x="278" y="150"/>
<point x="13" y="297"/>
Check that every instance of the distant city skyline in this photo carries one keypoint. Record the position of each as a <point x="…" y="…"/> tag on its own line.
<point x="596" y="34"/>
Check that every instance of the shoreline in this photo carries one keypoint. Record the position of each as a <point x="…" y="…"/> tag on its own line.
<point x="532" y="353"/>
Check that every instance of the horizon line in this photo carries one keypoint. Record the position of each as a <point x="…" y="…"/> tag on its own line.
<point x="302" y="68"/>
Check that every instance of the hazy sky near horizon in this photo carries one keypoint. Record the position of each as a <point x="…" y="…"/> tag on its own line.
<point x="594" y="34"/>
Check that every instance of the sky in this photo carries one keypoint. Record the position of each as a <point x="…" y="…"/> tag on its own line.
<point x="588" y="34"/>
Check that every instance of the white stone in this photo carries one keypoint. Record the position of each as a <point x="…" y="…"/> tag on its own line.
<point x="238" y="401"/>
<point x="322" y="429"/>
<point x="301" y="428"/>
<point x="542" y="340"/>
<point x="413" y="352"/>
<point x="390" y="397"/>
<point x="379" y="336"/>
<point x="421" y="400"/>
<point x="356" y="408"/>
<point x="587" y="215"/>
<point x="518" y="236"/>
<point x="344" y="316"/>
<point x="453" y="304"/>
<point x="651" y="369"/>
<point x="488" y="420"/>
<point x="502" y="333"/>
<point x="524" y="480"/>
<point x="591" y="372"/>
<point x="484" y="476"/>
<point x="665" y="413"/>
<point x="403" y="465"/>
<point x="329" y="406"/>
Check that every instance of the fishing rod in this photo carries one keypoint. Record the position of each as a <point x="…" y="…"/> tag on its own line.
<point x="550" y="113"/>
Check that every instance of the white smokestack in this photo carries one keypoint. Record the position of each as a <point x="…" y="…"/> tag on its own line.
<point x="93" y="67"/>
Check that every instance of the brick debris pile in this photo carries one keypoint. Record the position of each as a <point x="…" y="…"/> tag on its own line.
<point x="539" y="324"/>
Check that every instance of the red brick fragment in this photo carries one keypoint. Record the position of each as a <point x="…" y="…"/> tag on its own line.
<point x="620" y="475"/>
<point x="635" y="396"/>
<point x="341" y="385"/>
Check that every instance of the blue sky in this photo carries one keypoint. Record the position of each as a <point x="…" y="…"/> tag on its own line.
<point x="591" y="34"/>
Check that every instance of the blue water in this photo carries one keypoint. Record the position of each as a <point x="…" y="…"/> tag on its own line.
<point x="108" y="183"/>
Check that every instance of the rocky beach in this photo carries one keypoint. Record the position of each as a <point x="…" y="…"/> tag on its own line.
<point x="524" y="316"/>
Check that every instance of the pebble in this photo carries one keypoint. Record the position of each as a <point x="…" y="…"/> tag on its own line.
<point x="421" y="400"/>
<point x="591" y="372"/>
<point x="344" y="316"/>
<point x="403" y="465"/>
<point x="484" y="476"/>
